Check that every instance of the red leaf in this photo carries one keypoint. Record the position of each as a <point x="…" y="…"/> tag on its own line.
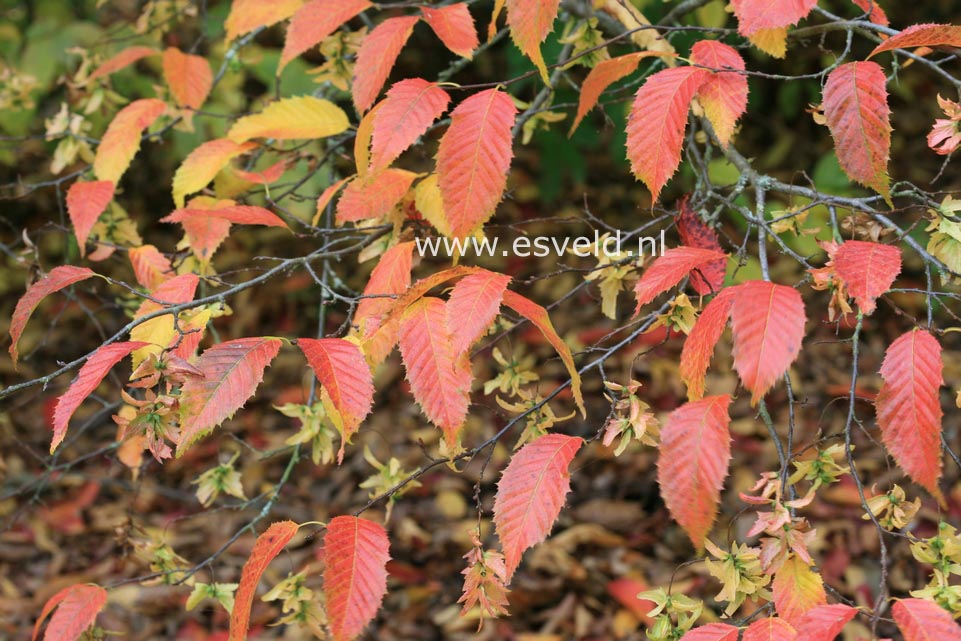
<point x="867" y="269"/>
<point x="626" y="590"/>
<point x="376" y="57"/>
<point x="668" y="269"/>
<point x="314" y="22"/>
<point x="409" y="109"/>
<point x="769" y="629"/>
<point x="757" y="15"/>
<point x="473" y="306"/>
<point x="921" y="620"/>
<point x="77" y="609"/>
<point x="247" y="15"/>
<point x="188" y="76"/>
<point x="767" y="323"/>
<point x="203" y="164"/>
<point x="655" y="126"/>
<point x="88" y="378"/>
<point x="454" y="26"/>
<point x="391" y="276"/>
<point x="85" y="202"/>
<point x="692" y="463"/>
<point x="150" y="267"/>
<point x="438" y="385"/>
<point x="712" y="632"/>
<point x="342" y="370"/>
<point x="857" y="113"/>
<point x="122" y="139"/>
<point x="909" y="406"/>
<point x="473" y="159"/>
<point x="268" y="546"/>
<point x="530" y="21"/>
<point x="922" y="35"/>
<point x="264" y="176"/>
<point x="797" y="590"/>
<point x="374" y="197"/>
<point x="542" y="321"/>
<point x="124" y="58"/>
<point x="724" y="94"/>
<point x="531" y="493"/>
<point x="873" y="9"/>
<point x="699" y="346"/>
<point x="707" y="278"/>
<point x="602" y="76"/>
<point x="57" y="279"/>
<point x="824" y="622"/>
<point x="232" y="372"/>
<point x="355" y="579"/>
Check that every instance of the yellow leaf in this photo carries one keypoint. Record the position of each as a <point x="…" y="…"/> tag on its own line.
<point x="291" y="119"/>
<point x="430" y="204"/>
<point x="771" y="41"/>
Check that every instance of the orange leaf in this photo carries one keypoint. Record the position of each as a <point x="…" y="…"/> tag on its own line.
<point x="124" y="58"/>
<point x="922" y="35"/>
<point x="867" y="269"/>
<point x="454" y="26"/>
<point x="767" y="323"/>
<point x="712" y="632"/>
<point x="707" y="278"/>
<point x="77" y="609"/>
<point x="188" y="76"/>
<point x="342" y="370"/>
<point x="758" y="15"/>
<point x="909" y="406"/>
<point x="247" y="15"/>
<point x="857" y="113"/>
<point x="355" y="579"/>
<point x="797" y="590"/>
<point x="314" y="22"/>
<point x="602" y="76"/>
<point x="668" y="269"/>
<point x="724" y="94"/>
<point x="161" y="332"/>
<point x="122" y="139"/>
<point x="409" y="109"/>
<point x="531" y="493"/>
<point x="530" y="21"/>
<point x="921" y="620"/>
<point x="374" y="197"/>
<point x="427" y="348"/>
<point x="875" y="12"/>
<point x="324" y="199"/>
<point x="267" y="547"/>
<point x="294" y="118"/>
<point x="85" y="202"/>
<point x="542" y="321"/>
<point x="150" y="267"/>
<point x="824" y="622"/>
<point x="203" y="164"/>
<point x="264" y="176"/>
<point x="232" y="371"/>
<point x="473" y="159"/>
<point x="57" y="279"/>
<point x="390" y="277"/>
<point x="205" y="234"/>
<point x="699" y="346"/>
<point x="473" y="306"/>
<point x="226" y="210"/>
<point x="376" y="57"/>
<point x="769" y="629"/>
<point x="88" y="378"/>
<point x="656" y="124"/>
<point x="692" y="463"/>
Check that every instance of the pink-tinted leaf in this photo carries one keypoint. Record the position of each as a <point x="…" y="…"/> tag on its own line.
<point x="712" y="632"/>
<point x="409" y="109"/>
<point x="669" y="269"/>
<point x="355" y="579"/>
<point x="602" y="76"/>
<point x="824" y="622"/>
<point x="454" y="26"/>
<point x="376" y="57"/>
<point x="769" y="629"/>
<point x="867" y="269"/>
<point x="77" y="607"/>
<point x="724" y="94"/>
<point x="473" y="305"/>
<point x="314" y="22"/>
<point x="922" y="35"/>
<point x="708" y="278"/>
<point x="85" y="202"/>
<point x="921" y="620"/>
<point x="121" y="60"/>
<point x="531" y="493"/>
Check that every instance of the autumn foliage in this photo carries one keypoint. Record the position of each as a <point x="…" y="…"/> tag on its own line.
<point x="221" y="312"/>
